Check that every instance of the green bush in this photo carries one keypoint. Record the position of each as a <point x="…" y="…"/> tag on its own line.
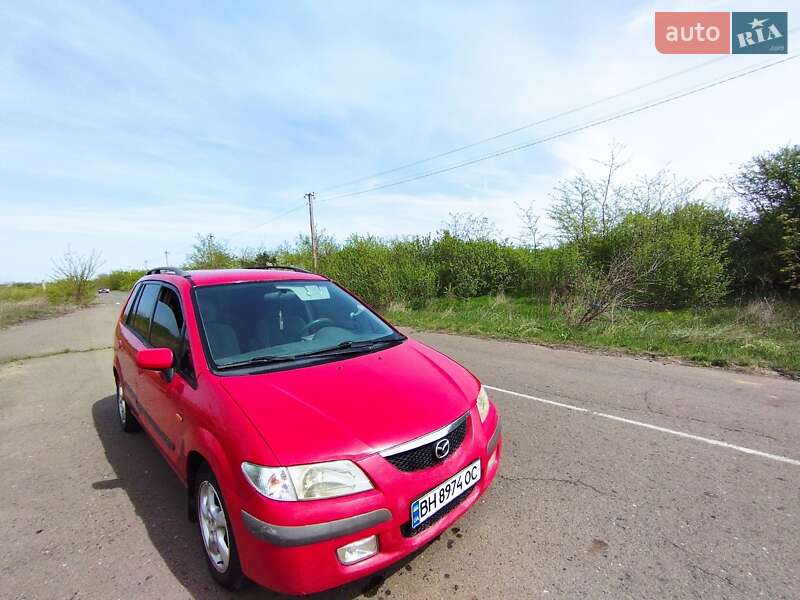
<point x="467" y="268"/>
<point x="63" y="292"/>
<point x="681" y="254"/>
<point x="120" y="279"/>
<point x="414" y="270"/>
<point x="683" y="251"/>
<point x="552" y="271"/>
<point x="382" y="272"/>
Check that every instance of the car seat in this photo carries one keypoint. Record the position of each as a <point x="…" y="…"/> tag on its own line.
<point x="222" y="338"/>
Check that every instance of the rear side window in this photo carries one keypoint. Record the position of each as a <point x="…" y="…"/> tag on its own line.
<point x="167" y="321"/>
<point x="143" y="313"/>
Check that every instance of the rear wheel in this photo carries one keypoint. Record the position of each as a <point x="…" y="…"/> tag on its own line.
<point x="216" y="532"/>
<point x="127" y="421"/>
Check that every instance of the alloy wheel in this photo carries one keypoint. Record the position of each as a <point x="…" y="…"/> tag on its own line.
<point x="213" y="526"/>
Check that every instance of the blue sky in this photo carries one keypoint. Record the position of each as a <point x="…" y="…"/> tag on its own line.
<point x="129" y="128"/>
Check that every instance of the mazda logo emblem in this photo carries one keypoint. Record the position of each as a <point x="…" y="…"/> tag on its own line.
<point x="442" y="448"/>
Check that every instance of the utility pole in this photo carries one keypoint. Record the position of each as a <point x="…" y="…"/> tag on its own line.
<point x="210" y="245"/>
<point x="145" y="265"/>
<point x="166" y="258"/>
<point x="310" y="198"/>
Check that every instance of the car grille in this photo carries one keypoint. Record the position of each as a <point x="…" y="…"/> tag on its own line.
<point x="424" y="456"/>
<point x="409" y="531"/>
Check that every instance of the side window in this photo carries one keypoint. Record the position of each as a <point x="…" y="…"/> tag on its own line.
<point x="131" y="302"/>
<point x="143" y="313"/>
<point x="167" y="321"/>
<point x="168" y="330"/>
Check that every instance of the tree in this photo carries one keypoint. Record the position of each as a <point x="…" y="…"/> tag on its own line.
<point x="76" y="271"/>
<point x="605" y="191"/>
<point x="770" y="183"/>
<point x="583" y="206"/>
<point x="574" y="209"/>
<point x="326" y="244"/>
<point x="769" y="189"/>
<point x="530" y="235"/>
<point x="470" y="227"/>
<point x="659" y="193"/>
<point x="210" y="253"/>
<point x="791" y="252"/>
<point x="257" y="258"/>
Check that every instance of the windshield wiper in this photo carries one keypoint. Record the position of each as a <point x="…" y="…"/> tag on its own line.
<point x="345" y="347"/>
<point x="258" y="360"/>
<point x="350" y="346"/>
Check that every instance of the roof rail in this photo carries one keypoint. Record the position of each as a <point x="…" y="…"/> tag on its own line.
<point x="170" y="270"/>
<point x="282" y="267"/>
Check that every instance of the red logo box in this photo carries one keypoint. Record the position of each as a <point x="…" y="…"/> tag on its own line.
<point x="693" y="32"/>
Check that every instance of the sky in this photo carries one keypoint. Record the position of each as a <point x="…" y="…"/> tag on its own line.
<point x="129" y="128"/>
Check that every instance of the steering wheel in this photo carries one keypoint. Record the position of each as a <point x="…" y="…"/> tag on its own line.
<point x="306" y="329"/>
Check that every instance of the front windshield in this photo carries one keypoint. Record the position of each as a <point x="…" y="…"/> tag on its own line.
<point x="280" y="319"/>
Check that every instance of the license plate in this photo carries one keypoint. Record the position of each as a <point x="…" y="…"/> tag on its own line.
<point x="427" y="505"/>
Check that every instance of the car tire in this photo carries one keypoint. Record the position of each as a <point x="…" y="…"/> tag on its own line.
<point x="216" y="533"/>
<point x="127" y="420"/>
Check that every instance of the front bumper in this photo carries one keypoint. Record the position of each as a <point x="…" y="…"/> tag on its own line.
<point x="299" y="557"/>
<point x="300" y="535"/>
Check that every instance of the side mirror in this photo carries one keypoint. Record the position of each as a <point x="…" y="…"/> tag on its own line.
<point x="155" y="359"/>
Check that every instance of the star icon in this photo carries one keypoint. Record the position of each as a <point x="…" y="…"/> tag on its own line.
<point x="757" y="23"/>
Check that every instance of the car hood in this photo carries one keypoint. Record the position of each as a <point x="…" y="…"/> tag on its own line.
<point x="355" y="406"/>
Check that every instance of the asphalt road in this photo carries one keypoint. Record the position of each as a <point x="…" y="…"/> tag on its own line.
<point x="622" y="478"/>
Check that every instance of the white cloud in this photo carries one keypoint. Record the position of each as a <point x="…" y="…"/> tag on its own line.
<point x="132" y="129"/>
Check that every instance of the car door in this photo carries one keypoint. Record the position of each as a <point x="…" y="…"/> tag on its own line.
<point x="163" y="392"/>
<point x="133" y="336"/>
<point x="124" y="338"/>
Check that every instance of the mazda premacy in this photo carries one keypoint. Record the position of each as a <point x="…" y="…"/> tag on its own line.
<point x="318" y="444"/>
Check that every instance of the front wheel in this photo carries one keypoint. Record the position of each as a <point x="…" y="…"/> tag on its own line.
<point x="127" y="420"/>
<point x="216" y="532"/>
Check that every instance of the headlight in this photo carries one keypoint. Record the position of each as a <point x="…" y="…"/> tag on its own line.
<point x="308" y="482"/>
<point x="483" y="404"/>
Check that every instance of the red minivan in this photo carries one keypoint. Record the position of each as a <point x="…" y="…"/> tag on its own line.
<point x="318" y="444"/>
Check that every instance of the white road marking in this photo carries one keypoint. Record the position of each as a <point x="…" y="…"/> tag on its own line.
<point x="682" y="434"/>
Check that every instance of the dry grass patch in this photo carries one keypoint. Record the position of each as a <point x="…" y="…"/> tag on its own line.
<point x="399" y="307"/>
<point x="12" y="313"/>
<point x="760" y="311"/>
<point x="500" y="299"/>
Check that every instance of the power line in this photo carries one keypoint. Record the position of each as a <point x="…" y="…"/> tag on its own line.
<point x="563" y="133"/>
<point x="734" y="75"/>
<point x="535" y="123"/>
<point x="488" y="139"/>
<point x="528" y="125"/>
<point x="273" y="219"/>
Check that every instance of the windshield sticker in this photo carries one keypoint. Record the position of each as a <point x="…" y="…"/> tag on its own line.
<point x="307" y="292"/>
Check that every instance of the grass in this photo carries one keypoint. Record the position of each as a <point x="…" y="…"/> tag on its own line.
<point x="761" y="334"/>
<point x="21" y="302"/>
